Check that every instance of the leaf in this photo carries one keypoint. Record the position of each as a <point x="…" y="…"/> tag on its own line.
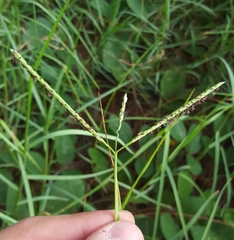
<point x="125" y="132"/>
<point x="178" y="131"/>
<point x="225" y="232"/>
<point x="197" y="51"/>
<point x="6" y="156"/>
<point x="103" y="6"/>
<point x="229" y="216"/>
<point x="195" y="166"/>
<point x="192" y="204"/>
<point x="12" y="198"/>
<point x="100" y="162"/>
<point x="168" y="197"/>
<point x="194" y="145"/>
<point x="3" y="186"/>
<point x="65" y="192"/>
<point x="36" y="30"/>
<point x="65" y="149"/>
<point x="137" y="7"/>
<point x="112" y="52"/>
<point x="31" y="168"/>
<point x="18" y="211"/>
<point x="115" y="6"/>
<point x="206" y="141"/>
<point x="139" y="165"/>
<point x="172" y="83"/>
<point x="146" y="225"/>
<point x="113" y="123"/>
<point x="198" y="231"/>
<point x="184" y="186"/>
<point x="49" y="72"/>
<point x="221" y="125"/>
<point x="169" y="226"/>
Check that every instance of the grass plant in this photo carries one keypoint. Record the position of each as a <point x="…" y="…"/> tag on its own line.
<point x="172" y="166"/>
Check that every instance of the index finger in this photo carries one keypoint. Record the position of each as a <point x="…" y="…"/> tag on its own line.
<point x="72" y="227"/>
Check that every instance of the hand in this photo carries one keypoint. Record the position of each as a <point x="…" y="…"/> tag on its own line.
<point x="97" y="225"/>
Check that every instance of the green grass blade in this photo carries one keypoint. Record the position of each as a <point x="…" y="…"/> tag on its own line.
<point x="161" y="184"/>
<point x="211" y="217"/>
<point x="178" y="203"/>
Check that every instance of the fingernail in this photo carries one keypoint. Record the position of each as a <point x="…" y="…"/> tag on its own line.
<point x="123" y="231"/>
<point x="120" y="230"/>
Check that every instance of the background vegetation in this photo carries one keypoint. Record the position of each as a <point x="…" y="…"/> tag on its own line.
<point x="157" y="52"/>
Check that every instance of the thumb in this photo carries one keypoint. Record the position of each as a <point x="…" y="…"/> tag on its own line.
<point x="120" y="230"/>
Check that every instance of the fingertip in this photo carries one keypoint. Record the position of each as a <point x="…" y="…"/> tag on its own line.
<point x="120" y="230"/>
<point x="127" y="216"/>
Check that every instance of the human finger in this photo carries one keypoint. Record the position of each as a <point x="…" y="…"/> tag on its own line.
<point x="119" y="230"/>
<point x="71" y="227"/>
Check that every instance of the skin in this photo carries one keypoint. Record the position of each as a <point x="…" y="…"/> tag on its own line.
<point x="96" y="225"/>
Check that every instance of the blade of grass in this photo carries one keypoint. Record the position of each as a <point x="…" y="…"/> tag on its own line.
<point x="216" y="162"/>
<point x="197" y="215"/>
<point x="161" y="184"/>
<point x="211" y="217"/>
<point x="65" y="178"/>
<point x="26" y="186"/>
<point x="178" y="203"/>
<point x="142" y="172"/>
<point x="227" y="173"/>
<point x="231" y="76"/>
<point x="8" y="219"/>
